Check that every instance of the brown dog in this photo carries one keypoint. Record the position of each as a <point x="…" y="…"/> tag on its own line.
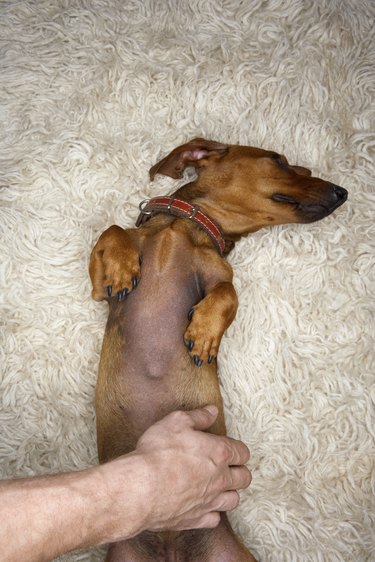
<point x="161" y="341"/>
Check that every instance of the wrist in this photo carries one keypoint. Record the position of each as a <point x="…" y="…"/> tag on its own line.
<point x="121" y="489"/>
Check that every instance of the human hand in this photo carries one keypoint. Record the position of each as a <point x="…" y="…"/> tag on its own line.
<point x="177" y="478"/>
<point x="191" y="476"/>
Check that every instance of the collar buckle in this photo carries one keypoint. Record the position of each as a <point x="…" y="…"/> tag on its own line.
<point x="193" y="212"/>
<point x="143" y="213"/>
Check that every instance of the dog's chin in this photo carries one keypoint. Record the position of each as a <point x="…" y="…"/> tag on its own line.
<point x="313" y="213"/>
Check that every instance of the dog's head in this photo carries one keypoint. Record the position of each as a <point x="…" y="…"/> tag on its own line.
<point x="246" y="188"/>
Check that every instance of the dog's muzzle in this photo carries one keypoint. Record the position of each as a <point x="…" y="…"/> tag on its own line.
<point x="315" y="208"/>
<point x="335" y="197"/>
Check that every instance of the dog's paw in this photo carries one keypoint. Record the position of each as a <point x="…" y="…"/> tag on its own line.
<point x="203" y="336"/>
<point x="122" y="272"/>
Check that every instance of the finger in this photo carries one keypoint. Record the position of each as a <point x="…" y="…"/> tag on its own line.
<point x="239" y="478"/>
<point x="208" y="521"/>
<point x="226" y="501"/>
<point x="199" y="419"/>
<point x="203" y="418"/>
<point x="238" y="452"/>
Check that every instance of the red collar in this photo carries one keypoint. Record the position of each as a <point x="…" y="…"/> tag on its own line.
<point x="183" y="209"/>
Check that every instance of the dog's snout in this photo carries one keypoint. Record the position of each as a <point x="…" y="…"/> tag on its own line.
<point x="340" y="193"/>
<point x="322" y="202"/>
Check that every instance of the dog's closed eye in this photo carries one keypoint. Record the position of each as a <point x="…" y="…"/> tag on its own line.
<point x="280" y="198"/>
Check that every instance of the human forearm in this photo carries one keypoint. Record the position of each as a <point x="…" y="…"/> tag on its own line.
<point x="177" y="478"/>
<point x="43" y="517"/>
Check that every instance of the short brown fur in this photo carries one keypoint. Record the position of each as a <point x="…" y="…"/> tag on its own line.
<point x="146" y="370"/>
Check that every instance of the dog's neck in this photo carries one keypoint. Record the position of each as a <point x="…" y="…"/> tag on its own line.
<point x="177" y="207"/>
<point x="195" y="194"/>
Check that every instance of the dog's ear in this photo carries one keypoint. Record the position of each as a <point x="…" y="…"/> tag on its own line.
<point x="301" y="171"/>
<point x="193" y="153"/>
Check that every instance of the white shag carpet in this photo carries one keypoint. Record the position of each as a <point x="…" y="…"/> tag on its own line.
<point x="93" y="92"/>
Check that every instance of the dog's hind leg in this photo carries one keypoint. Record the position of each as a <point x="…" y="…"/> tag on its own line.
<point x="224" y="546"/>
<point x="204" y="545"/>
<point x="125" y="552"/>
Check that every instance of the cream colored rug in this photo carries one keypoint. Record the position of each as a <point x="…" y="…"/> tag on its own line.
<point x="92" y="94"/>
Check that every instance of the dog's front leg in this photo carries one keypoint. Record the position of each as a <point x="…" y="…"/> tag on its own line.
<point x="115" y="263"/>
<point x="210" y="317"/>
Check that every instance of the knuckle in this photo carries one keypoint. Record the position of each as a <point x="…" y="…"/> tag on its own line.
<point x="240" y="451"/>
<point x="248" y="478"/>
<point x="241" y="477"/>
<point x="243" y="451"/>
<point x="233" y="501"/>
<point x="227" y="501"/>
<point x="179" y="418"/>
<point x="210" y="521"/>
<point x="223" y="452"/>
<point x="223" y="483"/>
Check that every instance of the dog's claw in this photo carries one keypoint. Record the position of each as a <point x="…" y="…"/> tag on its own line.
<point x="190" y="315"/>
<point x="197" y="361"/>
<point x="210" y="358"/>
<point x="140" y="260"/>
<point x="122" y="294"/>
<point x="189" y="344"/>
<point x="109" y="291"/>
<point x="135" y="281"/>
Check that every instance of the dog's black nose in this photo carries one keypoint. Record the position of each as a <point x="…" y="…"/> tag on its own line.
<point x="340" y="193"/>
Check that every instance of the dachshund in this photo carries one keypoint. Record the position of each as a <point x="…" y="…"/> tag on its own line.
<point x="171" y="298"/>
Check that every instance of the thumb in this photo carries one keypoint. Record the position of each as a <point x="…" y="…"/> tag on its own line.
<point x="203" y="418"/>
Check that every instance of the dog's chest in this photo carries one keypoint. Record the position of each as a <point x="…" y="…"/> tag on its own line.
<point x="154" y="317"/>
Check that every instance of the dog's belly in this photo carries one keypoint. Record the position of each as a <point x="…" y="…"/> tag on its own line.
<point x="146" y="372"/>
<point x="145" y="369"/>
<point x="153" y="321"/>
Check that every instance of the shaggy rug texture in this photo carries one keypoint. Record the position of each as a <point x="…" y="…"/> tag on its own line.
<point x="93" y="92"/>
